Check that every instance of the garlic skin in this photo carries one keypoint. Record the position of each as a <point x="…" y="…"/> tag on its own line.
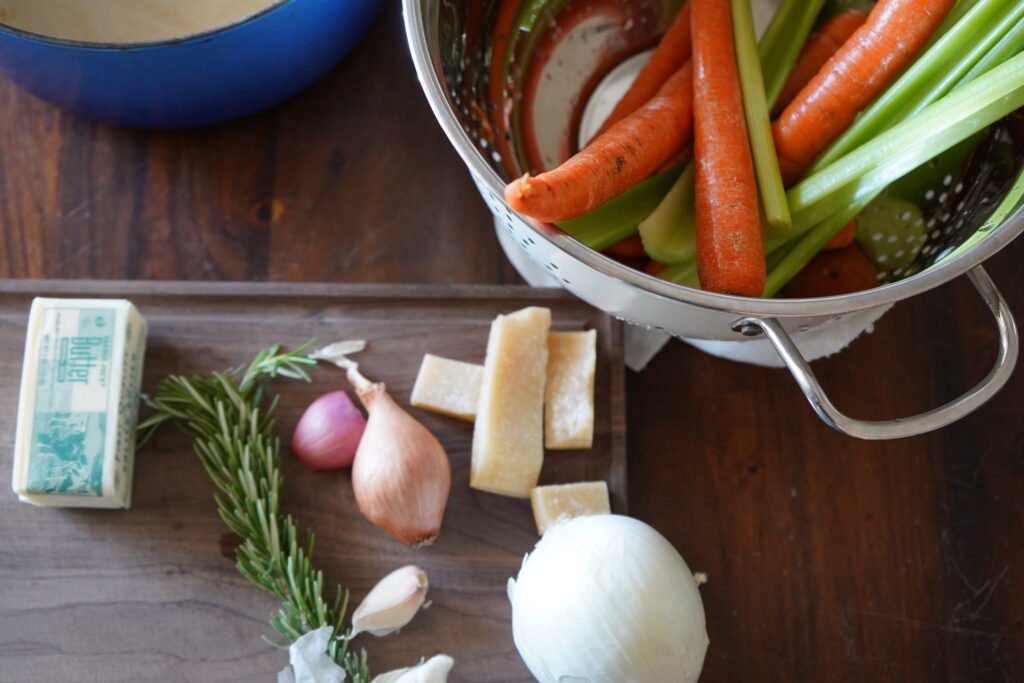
<point x="309" y="660"/>
<point x="392" y="603"/>
<point x="607" y="599"/>
<point x="434" y="670"/>
<point x="401" y="476"/>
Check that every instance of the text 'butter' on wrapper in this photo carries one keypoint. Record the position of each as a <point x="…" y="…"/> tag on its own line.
<point x="79" y="402"/>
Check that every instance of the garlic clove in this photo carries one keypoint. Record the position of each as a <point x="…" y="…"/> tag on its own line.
<point x="339" y="350"/>
<point x="434" y="670"/>
<point x="309" y="660"/>
<point x="392" y="603"/>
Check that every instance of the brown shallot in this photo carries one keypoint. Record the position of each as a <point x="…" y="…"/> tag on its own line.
<point x="401" y="476"/>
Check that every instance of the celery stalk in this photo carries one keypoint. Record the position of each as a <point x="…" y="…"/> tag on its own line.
<point x="662" y="238"/>
<point x="759" y="128"/>
<point x="923" y="81"/>
<point x="806" y="249"/>
<point x="783" y="40"/>
<point x="617" y="218"/>
<point x="669" y="233"/>
<point x="909" y="143"/>
<point x="1008" y="79"/>
<point x="682" y="274"/>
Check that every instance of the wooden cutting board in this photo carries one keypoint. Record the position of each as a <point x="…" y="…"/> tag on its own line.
<point x="151" y="593"/>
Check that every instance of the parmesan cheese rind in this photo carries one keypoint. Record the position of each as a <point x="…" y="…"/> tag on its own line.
<point x="508" y="438"/>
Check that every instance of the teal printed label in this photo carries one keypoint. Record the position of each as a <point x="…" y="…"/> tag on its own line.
<point x="128" y="409"/>
<point x="71" y="407"/>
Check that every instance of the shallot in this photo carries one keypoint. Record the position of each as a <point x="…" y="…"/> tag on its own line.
<point x="401" y="476"/>
<point x="328" y="433"/>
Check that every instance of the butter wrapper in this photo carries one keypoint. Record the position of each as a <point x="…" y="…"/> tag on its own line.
<point x="79" y="403"/>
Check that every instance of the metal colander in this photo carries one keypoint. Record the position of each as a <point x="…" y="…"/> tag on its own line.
<point x="937" y="223"/>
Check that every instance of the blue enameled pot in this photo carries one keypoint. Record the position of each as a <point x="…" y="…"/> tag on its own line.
<point x="192" y="80"/>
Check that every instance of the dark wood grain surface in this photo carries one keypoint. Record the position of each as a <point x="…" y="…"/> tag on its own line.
<point x="77" y="565"/>
<point x="828" y="559"/>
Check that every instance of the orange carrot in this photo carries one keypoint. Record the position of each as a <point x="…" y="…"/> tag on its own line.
<point x="672" y="52"/>
<point x="843" y="237"/>
<point x="653" y="268"/>
<point x="684" y="154"/>
<point x="730" y="253"/>
<point x="833" y="273"/>
<point x="819" y="47"/>
<point x="631" y="246"/>
<point x="627" y="153"/>
<point x="895" y="31"/>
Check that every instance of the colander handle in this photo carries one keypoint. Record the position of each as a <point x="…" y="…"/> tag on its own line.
<point x="917" y="424"/>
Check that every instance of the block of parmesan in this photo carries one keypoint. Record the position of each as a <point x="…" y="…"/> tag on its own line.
<point x="508" y="438"/>
<point x="449" y="387"/>
<point x="552" y="504"/>
<point x="569" y="391"/>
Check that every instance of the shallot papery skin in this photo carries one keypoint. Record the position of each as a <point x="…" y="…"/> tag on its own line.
<point x="401" y="476"/>
<point x="329" y="432"/>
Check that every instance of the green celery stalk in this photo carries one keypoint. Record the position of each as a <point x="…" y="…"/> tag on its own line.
<point x="929" y="77"/>
<point x="803" y="251"/>
<point x="759" y="127"/>
<point x="669" y="233"/>
<point x="909" y="144"/>
<point x="618" y="218"/>
<point x="682" y="274"/>
<point x="664" y="234"/>
<point x="783" y="40"/>
<point x="800" y="254"/>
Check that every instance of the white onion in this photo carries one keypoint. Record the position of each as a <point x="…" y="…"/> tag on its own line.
<point x="607" y="599"/>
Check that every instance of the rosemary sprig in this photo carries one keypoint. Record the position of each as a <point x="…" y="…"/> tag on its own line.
<point x="233" y="432"/>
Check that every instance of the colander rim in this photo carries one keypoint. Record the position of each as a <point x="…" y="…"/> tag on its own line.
<point x="884" y="295"/>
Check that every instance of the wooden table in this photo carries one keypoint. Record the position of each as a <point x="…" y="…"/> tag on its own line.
<point x="828" y="558"/>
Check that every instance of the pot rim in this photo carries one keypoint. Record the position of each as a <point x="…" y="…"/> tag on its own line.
<point x="415" y="29"/>
<point x="140" y="44"/>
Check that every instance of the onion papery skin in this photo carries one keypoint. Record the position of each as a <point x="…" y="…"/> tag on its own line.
<point x="607" y="599"/>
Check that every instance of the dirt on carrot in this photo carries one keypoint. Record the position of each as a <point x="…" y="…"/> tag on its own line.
<point x="730" y="252"/>
<point x="627" y="153"/>
<point x="893" y="34"/>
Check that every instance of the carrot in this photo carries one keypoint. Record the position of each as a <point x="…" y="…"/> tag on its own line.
<point x="832" y="273"/>
<point x="631" y="247"/>
<point x="843" y="237"/>
<point x="730" y="253"/>
<point x="627" y="153"/>
<point x="682" y="155"/>
<point x="895" y="31"/>
<point x="672" y="52"/>
<point x="819" y="47"/>
<point x="653" y="268"/>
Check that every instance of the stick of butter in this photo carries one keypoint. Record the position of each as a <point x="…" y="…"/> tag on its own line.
<point x="75" y="441"/>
